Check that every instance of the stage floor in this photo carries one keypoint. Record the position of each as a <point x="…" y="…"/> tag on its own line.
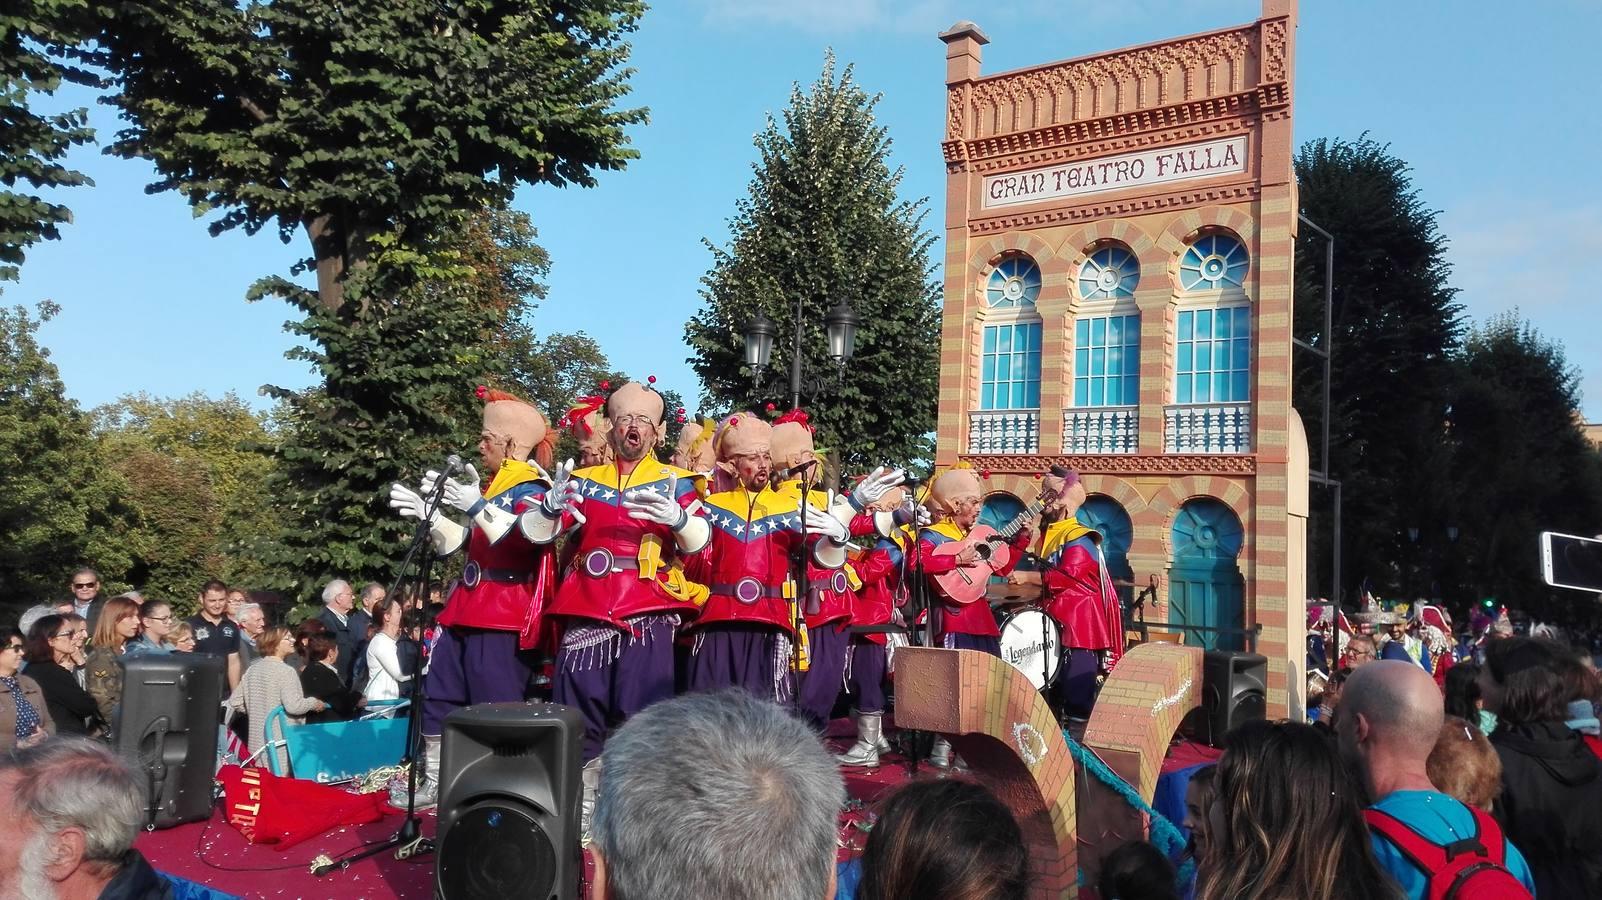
<point x="214" y="854"/>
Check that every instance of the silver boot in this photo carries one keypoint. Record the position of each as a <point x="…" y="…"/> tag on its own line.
<point x="590" y="778"/>
<point x="427" y="778"/>
<point x="940" y="755"/>
<point x="865" y="752"/>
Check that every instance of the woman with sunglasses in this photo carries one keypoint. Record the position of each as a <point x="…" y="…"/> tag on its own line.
<point x="24" y="716"/>
<point x="117" y="626"/>
<point x="53" y="651"/>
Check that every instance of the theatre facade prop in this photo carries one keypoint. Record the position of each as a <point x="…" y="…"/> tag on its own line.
<point x="1120" y="238"/>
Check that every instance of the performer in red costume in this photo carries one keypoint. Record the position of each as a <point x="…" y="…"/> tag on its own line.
<point x="744" y="635"/>
<point x="828" y="597"/>
<point x="493" y="618"/>
<point x="621" y="600"/>
<point x="878" y="604"/>
<point x="1079" y="595"/>
<point x="956" y="501"/>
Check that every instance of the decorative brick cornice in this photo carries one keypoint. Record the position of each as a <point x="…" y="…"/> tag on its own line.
<point x="1053" y="153"/>
<point x="1137" y="128"/>
<point x="1170" y="464"/>
<point x="1132" y="206"/>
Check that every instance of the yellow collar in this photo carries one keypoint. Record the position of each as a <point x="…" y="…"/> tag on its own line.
<point x="1063" y="531"/>
<point x="513" y="473"/>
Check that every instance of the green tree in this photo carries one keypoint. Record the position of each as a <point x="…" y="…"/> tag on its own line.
<point x="197" y="471"/>
<point x="33" y="36"/>
<point x="822" y="221"/>
<point x="59" y="506"/>
<point x="1395" y="324"/>
<point x="374" y="127"/>
<point x="1521" y="464"/>
<point x="395" y="397"/>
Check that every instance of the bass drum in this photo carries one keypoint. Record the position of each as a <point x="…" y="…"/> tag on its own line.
<point x="1031" y="642"/>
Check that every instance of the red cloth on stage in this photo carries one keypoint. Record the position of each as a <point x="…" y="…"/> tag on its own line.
<point x="268" y="809"/>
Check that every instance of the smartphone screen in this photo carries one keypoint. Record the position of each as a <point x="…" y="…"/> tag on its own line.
<point x="1568" y="561"/>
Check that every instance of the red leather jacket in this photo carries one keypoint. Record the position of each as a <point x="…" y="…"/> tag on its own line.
<point x="1079" y="592"/>
<point x="746" y="565"/>
<point x="603" y="583"/>
<point x="880" y="571"/>
<point x="505" y="584"/>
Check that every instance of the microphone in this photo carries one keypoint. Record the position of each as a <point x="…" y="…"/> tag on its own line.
<point x="453" y="464"/>
<point x="788" y="473"/>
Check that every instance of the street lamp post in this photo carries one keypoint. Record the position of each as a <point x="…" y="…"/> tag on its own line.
<point x="840" y="326"/>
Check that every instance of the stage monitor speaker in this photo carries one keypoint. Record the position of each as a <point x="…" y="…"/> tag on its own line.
<point x="168" y="728"/>
<point x="509" y="803"/>
<point x="1234" y="690"/>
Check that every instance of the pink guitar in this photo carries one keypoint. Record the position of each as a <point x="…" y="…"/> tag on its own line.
<point x="965" y="584"/>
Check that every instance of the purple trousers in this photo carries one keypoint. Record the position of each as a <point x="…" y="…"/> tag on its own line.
<point x="755" y="658"/>
<point x="472" y="665"/>
<point x="825" y="677"/>
<point x="952" y="640"/>
<point x="608" y="674"/>
<point x="1074" y="692"/>
<point x="865" y="665"/>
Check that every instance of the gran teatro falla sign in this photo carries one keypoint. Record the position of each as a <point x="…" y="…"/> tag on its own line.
<point x="1142" y="168"/>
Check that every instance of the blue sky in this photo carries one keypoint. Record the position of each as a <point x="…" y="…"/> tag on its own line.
<point x="1498" y="116"/>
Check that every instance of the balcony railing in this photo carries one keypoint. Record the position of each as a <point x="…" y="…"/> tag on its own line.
<point x="1004" y="431"/>
<point x="1216" y="428"/>
<point x="1096" y="430"/>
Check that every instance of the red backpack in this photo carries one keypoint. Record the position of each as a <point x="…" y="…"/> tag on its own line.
<point x="1474" y="868"/>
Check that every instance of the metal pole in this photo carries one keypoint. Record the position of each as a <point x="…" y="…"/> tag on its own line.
<point x="795" y="358"/>
<point x="1335" y="583"/>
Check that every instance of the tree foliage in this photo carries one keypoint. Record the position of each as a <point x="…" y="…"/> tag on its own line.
<point x="59" y="506"/>
<point x="1520" y="465"/>
<point x="397" y="373"/>
<point x="822" y="223"/>
<point x="1395" y="324"/>
<point x="34" y="35"/>
<point x="372" y="125"/>
<point x="197" y="471"/>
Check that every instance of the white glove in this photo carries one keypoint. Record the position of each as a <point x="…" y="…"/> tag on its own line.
<point x="910" y="513"/>
<point x="408" y="502"/>
<point x="463" y="495"/>
<point x="652" y="506"/>
<point x="565" y="494"/>
<point x="431" y="480"/>
<point x="876" y="485"/>
<point x="820" y="522"/>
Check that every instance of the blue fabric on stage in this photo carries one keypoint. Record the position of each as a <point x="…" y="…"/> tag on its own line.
<point x="847" y="877"/>
<point x="189" y="890"/>
<point x="1169" y="798"/>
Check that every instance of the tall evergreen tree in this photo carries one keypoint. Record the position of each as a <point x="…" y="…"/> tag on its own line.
<point x="822" y="223"/>
<point x="1520" y="465"/>
<point x="1395" y="322"/>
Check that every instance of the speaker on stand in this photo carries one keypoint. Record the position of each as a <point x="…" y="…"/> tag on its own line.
<point x="1234" y="690"/>
<point x="509" y="803"/>
<point x="167" y="727"/>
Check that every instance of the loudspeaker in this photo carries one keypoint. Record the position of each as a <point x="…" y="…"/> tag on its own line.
<point x="509" y="803"/>
<point x="1234" y="690"/>
<point x="167" y="728"/>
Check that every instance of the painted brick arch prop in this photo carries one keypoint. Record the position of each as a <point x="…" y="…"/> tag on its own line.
<point x="1001" y="725"/>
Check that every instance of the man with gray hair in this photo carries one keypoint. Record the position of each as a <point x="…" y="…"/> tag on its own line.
<point x="1389" y="720"/>
<point x="347" y="624"/>
<point x="252" y="622"/>
<point x="69" y="812"/>
<point x="716" y="795"/>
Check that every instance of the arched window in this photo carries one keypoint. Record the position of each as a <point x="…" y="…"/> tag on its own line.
<point x="1110" y="273"/>
<point x="1013" y="284"/>
<point x="1213" y="262"/>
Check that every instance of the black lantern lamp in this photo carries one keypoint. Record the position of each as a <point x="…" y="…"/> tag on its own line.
<point x="841" y="326"/>
<point x="759" y="337"/>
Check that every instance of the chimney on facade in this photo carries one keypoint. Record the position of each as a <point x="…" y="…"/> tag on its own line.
<point x="963" y="41"/>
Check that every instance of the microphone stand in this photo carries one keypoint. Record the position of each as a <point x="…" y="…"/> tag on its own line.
<point x="803" y="591"/>
<point x="409" y="839"/>
<point x="917" y="745"/>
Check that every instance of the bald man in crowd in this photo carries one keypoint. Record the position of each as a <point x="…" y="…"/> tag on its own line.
<point x="1389" y="718"/>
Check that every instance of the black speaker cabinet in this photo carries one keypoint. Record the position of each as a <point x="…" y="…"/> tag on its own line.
<point x="1234" y="690"/>
<point x="509" y="803"/>
<point x="167" y="728"/>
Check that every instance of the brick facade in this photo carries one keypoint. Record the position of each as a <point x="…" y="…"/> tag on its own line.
<point x="1228" y="85"/>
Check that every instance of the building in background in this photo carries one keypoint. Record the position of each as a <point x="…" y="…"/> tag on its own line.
<point x="1120" y="232"/>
